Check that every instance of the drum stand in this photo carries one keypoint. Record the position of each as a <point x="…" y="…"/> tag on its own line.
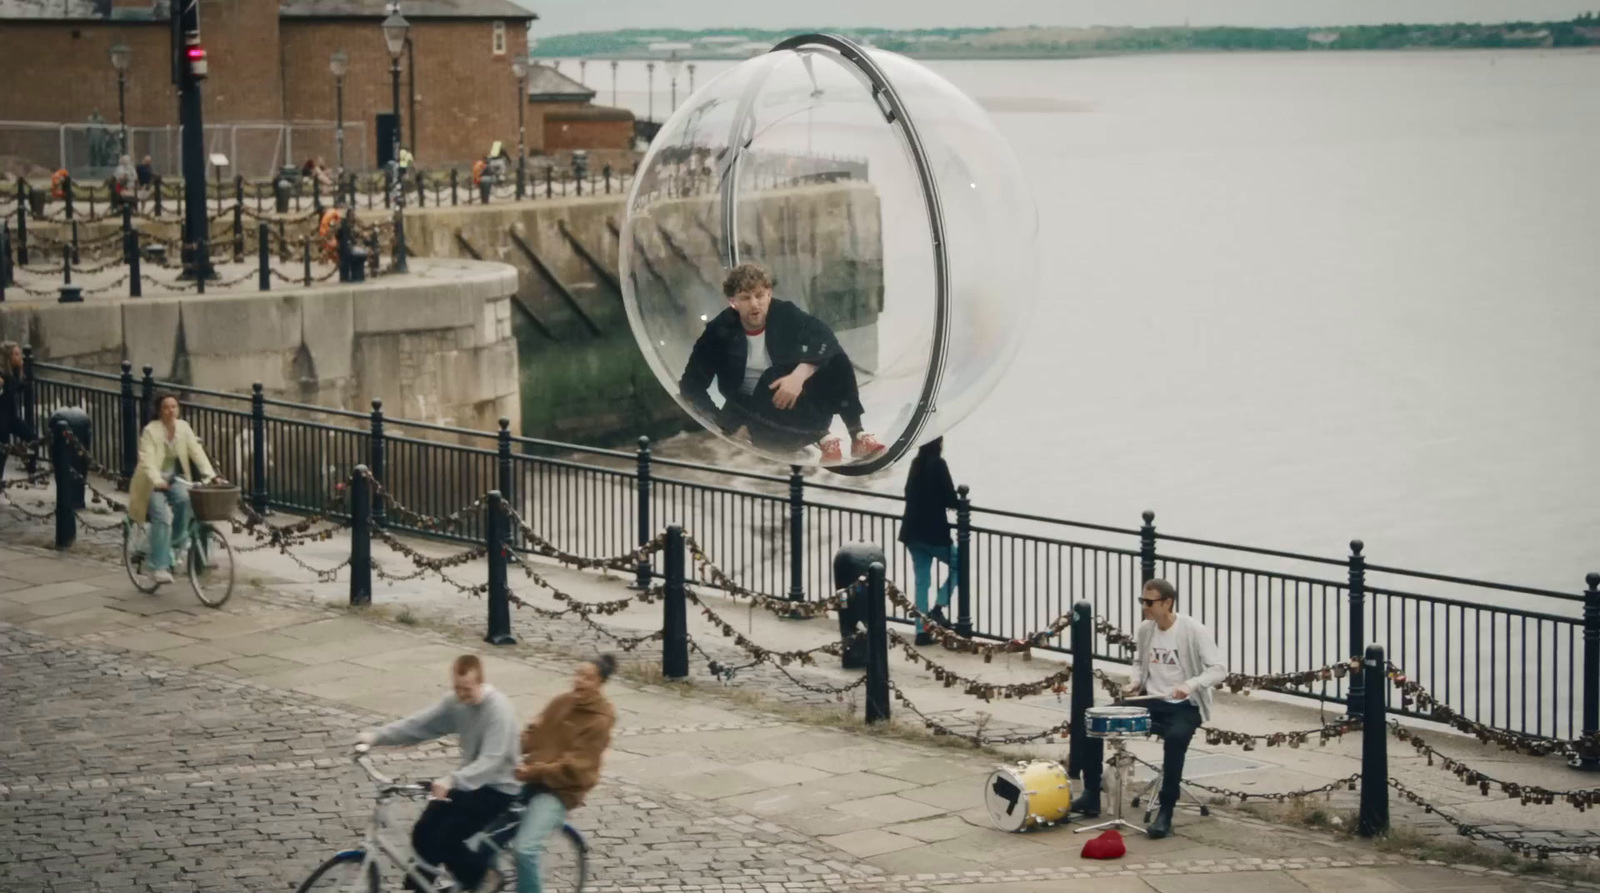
<point x="1150" y="798"/>
<point x="1121" y="773"/>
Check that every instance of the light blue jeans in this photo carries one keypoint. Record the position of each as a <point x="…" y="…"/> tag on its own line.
<point x="922" y="557"/>
<point x="544" y="816"/>
<point x="168" y="512"/>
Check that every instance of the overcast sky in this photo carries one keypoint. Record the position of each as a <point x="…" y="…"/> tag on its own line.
<point x="567" y="16"/>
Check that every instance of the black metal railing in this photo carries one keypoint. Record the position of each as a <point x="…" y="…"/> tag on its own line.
<point x="1514" y="657"/>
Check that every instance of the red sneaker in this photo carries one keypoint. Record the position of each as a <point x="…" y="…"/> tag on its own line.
<point x="865" y="446"/>
<point x="832" y="450"/>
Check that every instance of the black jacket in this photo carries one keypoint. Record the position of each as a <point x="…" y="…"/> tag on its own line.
<point x="929" y="491"/>
<point x="10" y="407"/>
<point x="793" y="337"/>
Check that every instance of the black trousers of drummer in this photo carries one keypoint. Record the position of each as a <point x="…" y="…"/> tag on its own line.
<point x="1175" y="725"/>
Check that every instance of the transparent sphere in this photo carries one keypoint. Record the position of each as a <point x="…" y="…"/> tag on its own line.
<point x="895" y="225"/>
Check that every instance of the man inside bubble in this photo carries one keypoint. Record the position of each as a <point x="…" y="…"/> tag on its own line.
<point x="781" y="372"/>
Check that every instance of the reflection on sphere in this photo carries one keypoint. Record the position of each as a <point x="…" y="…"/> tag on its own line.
<point x="834" y="169"/>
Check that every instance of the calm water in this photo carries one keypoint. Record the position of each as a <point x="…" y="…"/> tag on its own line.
<point x="1296" y="299"/>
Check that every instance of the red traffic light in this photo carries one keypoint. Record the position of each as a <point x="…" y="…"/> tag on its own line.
<point x="195" y="54"/>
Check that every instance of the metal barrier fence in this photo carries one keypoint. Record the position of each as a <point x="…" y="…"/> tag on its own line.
<point x="90" y="150"/>
<point x="1532" y="669"/>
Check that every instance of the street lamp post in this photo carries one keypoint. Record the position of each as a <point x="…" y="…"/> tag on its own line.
<point x="691" y="78"/>
<point x="650" y="67"/>
<point x="583" y="72"/>
<point x="339" y="63"/>
<point x="395" y="28"/>
<point x="121" y="55"/>
<point x="613" y="82"/>
<point x="674" y="65"/>
<point x="519" y="67"/>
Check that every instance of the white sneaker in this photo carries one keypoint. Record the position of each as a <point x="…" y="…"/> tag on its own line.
<point x="161" y="576"/>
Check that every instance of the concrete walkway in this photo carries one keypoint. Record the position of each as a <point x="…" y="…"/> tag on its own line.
<point x="748" y="789"/>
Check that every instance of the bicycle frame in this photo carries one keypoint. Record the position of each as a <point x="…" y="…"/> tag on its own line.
<point x="373" y="842"/>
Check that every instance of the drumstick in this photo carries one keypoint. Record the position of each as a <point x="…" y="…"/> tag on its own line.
<point x="1143" y="697"/>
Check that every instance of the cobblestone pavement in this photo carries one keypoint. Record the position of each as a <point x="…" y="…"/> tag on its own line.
<point x="150" y="744"/>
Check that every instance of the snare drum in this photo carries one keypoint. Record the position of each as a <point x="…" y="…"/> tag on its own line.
<point x="1117" y="722"/>
<point x="1026" y="795"/>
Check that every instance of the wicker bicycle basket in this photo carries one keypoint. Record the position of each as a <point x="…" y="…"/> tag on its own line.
<point x="214" y="504"/>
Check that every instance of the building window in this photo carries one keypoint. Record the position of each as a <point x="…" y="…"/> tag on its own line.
<point x="499" y="38"/>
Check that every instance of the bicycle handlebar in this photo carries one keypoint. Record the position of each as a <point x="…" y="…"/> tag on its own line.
<point x="390" y="784"/>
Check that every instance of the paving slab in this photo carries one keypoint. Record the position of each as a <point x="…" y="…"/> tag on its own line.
<point x="53" y="569"/>
<point x="1244" y="882"/>
<point x="194" y="654"/>
<point x="870" y="842"/>
<point x="1349" y="880"/>
<point x="29" y="592"/>
<point x="932" y="830"/>
<point x="152" y="640"/>
<point x="77" y="623"/>
<point x="888" y="809"/>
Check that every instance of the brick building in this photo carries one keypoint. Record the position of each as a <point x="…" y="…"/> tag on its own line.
<point x="569" y="117"/>
<point x="270" y="95"/>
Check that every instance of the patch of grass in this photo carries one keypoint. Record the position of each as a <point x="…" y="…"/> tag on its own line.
<point x="407" y="616"/>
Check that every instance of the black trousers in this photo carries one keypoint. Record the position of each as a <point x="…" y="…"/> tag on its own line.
<point x="1175" y="725"/>
<point x="832" y="390"/>
<point x="441" y="833"/>
<point x="22" y="434"/>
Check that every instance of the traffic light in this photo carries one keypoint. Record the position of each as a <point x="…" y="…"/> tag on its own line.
<point x="194" y="56"/>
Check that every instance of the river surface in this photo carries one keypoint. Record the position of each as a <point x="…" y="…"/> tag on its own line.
<point x="1294" y="299"/>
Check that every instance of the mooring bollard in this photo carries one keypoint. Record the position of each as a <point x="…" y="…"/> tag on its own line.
<point x="70" y="294"/>
<point x="641" y="578"/>
<point x="963" y="565"/>
<point x="378" y="462"/>
<point x="877" y="647"/>
<point x="360" y="537"/>
<point x="674" y="611"/>
<point x="503" y="469"/>
<point x="1082" y="750"/>
<point x="1374" y="817"/>
<point x="66" y="514"/>
<point x="1588" y="759"/>
<point x="1355" y="701"/>
<point x="496" y="520"/>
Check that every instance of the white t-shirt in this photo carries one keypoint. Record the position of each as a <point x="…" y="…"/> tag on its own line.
<point x="756" y="361"/>
<point x="1162" y="672"/>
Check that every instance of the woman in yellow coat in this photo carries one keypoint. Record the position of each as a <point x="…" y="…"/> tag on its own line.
<point x="168" y="448"/>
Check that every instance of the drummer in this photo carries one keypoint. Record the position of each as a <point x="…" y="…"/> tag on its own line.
<point x="1177" y="660"/>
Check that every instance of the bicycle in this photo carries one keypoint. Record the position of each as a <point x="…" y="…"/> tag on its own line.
<point x="563" y="866"/>
<point x="209" y="559"/>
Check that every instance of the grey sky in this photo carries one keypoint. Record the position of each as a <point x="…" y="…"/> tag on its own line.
<point x="566" y="16"/>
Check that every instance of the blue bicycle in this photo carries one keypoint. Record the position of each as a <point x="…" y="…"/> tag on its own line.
<point x="563" y="866"/>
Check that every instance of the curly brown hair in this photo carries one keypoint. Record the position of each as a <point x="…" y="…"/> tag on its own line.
<point x="745" y="277"/>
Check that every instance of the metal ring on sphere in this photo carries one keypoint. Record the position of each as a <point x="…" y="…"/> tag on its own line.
<point x="894" y="113"/>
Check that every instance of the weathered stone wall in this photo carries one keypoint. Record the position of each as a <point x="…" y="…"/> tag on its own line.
<point x="436" y="346"/>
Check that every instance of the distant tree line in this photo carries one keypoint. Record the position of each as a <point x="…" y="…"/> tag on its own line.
<point x="947" y="42"/>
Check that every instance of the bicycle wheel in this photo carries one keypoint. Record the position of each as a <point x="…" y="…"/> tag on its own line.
<point x="210" y="566"/>
<point x="563" y="866"/>
<point x="342" y="873"/>
<point x="135" y="545"/>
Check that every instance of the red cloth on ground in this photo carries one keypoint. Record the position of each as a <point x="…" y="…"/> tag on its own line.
<point x="1107" y="846"/>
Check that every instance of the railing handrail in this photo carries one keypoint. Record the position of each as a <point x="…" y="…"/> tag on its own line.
<point x="850" y="491"/>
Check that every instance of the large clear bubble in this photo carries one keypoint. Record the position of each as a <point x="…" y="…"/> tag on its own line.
<point x="889" y="211"/>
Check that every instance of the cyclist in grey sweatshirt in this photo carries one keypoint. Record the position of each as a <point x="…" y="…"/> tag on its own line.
<point x="474" y="794"/>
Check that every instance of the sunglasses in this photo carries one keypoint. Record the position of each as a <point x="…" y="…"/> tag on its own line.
<point x="1147" y="602"/>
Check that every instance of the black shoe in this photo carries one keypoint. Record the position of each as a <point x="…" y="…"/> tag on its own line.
<point x="1087" y="804"/>
<point x="924" y="638"/>
<point x="937" y="616"/>
<point x="1162" y="826"/>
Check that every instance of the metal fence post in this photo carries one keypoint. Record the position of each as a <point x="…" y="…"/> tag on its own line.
<point x="797" y="534"/>
<point x="147" y="396"/>
<point x="128" y="244"/>
<point x="258" y="448"/>
<point x="376" y="462"/>
<point x="1147" y="548"/>
<point x="641" y="578"/>
<point x="1355" y="701"/>
<point x="1588" y="759"/>
<point x="877" y="647"/>
<point x="66" y="183"/>
<point x="238" y="219"/>
<point x="453" y="183"/>
<point x="263" y="243"/>
<point x="66" y="494"/>
<point x="499" y="594"/>
<point x="30" y="406"/>
<point x="963" y="561"/>
<point x="360" y="537"/>
<point x="1082" y="750"/>
<point x="135" y="274"/>
<point x="503" y="469"/>
<point x="22" y="221"/>
<point x="1374" y="818"/>
<point x="156" y="182"/>
<point x="130" y="427"/>
<point x="675" y="613"/>
<point x="305" y="254"/>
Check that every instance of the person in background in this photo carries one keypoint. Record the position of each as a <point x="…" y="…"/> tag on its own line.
<point x="561" y="752"/>
<point x="925" y="530"/>
<point x="170" y="460"/>
<point x="146" y="172"/>
<point x="477" y="792"/>
<point x="13" y="422"/>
